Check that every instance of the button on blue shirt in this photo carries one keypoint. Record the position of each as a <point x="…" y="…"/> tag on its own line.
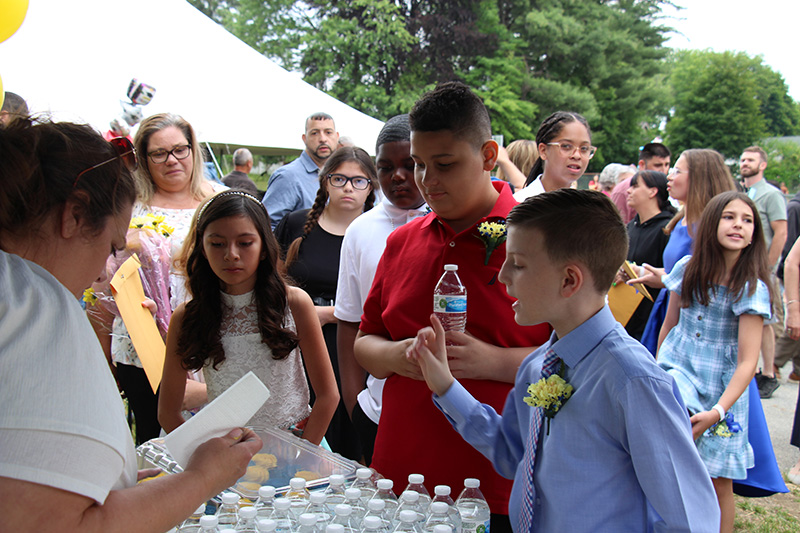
<point x="291" y="187"/>
<point x="619" y="455"/>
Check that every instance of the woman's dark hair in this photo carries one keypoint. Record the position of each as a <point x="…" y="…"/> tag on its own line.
<point x="199" y="339"/>
<point x="341" y="156"/>
<point x="39" y="166"/>
<point x="708" y="261"/>
<point x="549" y="130"/>
<point x="657" y="180"/>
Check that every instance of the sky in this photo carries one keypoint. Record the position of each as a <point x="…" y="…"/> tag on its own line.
<point x="769" y="28"/>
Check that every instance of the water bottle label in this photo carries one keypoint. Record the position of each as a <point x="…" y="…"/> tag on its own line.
<point x="443" y="303"/>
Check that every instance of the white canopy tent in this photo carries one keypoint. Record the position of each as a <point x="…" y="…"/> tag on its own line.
<point x="75" y="58"/>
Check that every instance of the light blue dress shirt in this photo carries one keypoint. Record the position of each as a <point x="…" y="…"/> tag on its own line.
<point x="291" y="187"/>
<point x="619" y="454"/>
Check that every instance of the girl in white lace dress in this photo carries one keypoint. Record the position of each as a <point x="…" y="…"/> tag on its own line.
<point x="243" y="317"/>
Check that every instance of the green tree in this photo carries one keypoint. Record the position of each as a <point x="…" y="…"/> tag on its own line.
<point x="726" y="101"/>
<point x="784" y="162"/>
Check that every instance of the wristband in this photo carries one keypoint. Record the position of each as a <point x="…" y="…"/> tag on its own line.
<point x="790" y="302"/>
<point x="718" y="408"/>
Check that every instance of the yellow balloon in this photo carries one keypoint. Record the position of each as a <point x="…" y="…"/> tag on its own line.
<point x="12" y="13"/>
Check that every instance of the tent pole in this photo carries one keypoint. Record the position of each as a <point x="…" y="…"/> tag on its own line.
<point x="214" y="160"/>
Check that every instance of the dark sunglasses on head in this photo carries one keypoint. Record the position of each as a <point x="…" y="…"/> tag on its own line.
<point x="125" y="152"/>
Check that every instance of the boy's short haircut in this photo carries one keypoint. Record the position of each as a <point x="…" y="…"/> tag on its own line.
<point x="577" y="225"/>
<point x="453" y="106"/>
<point x="757" y="149"/>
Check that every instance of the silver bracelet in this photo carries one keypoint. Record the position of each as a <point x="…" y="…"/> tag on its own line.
<point x="718" y="408"/>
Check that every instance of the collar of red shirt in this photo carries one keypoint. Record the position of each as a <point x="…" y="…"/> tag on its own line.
<point x="501" y="207"/>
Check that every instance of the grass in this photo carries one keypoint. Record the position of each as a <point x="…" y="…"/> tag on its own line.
<point x="779" y="513"/>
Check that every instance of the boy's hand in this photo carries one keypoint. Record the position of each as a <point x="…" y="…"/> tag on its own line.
<point x="150" y="305"/>
<point x="429" y="351"/>
<point x="467" y="356"/>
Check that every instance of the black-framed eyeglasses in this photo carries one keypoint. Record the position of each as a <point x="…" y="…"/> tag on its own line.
<point x="161" y="156"/>
<point x="125" y="152"/>
<point x="340" y="180"/>
<point x="568" y="149"/>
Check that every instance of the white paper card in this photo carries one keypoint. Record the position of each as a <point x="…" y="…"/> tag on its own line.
<point x="231" y="409"/>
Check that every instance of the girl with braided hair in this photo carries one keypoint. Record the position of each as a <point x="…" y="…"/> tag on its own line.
<point x="564" y="143"/>
<point x="311" y="241"/>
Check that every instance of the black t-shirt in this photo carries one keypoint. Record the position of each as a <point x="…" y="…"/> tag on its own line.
<point x="316" y="269"/>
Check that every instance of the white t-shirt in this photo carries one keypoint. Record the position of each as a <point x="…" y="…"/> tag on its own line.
<point x="362" y="248"/>
<point x="533" y="189"/>
<point x="62" y="421"/>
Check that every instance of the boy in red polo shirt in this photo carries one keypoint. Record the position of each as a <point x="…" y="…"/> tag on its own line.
<point x="452" y="148"/>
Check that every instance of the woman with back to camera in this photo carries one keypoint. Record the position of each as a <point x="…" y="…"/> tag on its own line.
<point x="514" y="163"/>
<point x="312" y="241"/>
<point x="67" y="461"/>
<point x="564" y="141"/>
<point x="649" y="197"/>
<point x="170" y="183"/>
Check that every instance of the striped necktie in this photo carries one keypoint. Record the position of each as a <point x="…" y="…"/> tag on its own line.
<point x="549" y="367"/>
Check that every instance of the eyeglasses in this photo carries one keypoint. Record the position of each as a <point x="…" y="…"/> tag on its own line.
<point x="585" y="150"/>
<point x="161" y="156"/>
<point x="358" y="182"/>
<point x="125" y="152"/>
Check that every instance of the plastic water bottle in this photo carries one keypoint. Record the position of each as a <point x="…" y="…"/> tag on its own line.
<point x="416" y="482"/>
<point x="228" y="512"/>
<point x="266" y="525"/>
<point x="353" y="498"/>
<point x="442" y="494"/>
<point x="343" y="517"/>
<point x="247" y="520"/>
<point x="408" y="523"/>
<point x="320" y="509"/>
<point x="192" y="524"/>
<point x="377" y="508"/>
<point x="472" y="505"/>
<point x="438" y="516"/>
<point x="374" y="524"/>
<point x="209" y="523"/>
<point x="334" y="528"/>
<point x="409" y="501"/>
<point x="286" y="522"/>
<point x="298" y="495"/>
<point x="307" y="523"/>
<point x="450" y="300"/>
<point x="364" y="482"/>
<point x="265" y="503"/>
<point x="335" y="490"/>
<point x="386" y="494"/>
<point x="441" y="528"/>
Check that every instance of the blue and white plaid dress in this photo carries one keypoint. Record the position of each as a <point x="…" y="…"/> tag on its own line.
<point x="701" y="353"/>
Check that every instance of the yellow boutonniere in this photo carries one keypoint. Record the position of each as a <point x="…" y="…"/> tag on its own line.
<point x="493" y="234"/>
<point x="550" y="394"/>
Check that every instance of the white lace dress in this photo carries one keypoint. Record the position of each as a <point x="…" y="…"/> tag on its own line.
<point x="244" y="351"/>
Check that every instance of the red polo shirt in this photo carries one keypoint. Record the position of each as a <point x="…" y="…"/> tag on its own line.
<point x="413" y="436"/>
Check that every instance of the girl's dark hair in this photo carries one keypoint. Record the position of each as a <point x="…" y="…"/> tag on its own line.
<point x="199" y="339"/>
<point x="338" y="158"/>
<point x="657" y="180"/>
<point x="708" y="262"/>
<point x="39" y="166"/>
<point x="549" y="130"/>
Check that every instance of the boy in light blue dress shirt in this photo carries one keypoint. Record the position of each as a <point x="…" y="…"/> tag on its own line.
<point x="617" y="455"/>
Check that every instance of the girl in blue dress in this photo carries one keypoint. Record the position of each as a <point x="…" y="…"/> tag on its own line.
<point x="711" y="336"/>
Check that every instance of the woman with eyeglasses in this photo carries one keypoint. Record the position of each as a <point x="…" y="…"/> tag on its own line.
<point x="67" y="460"/>
<point x="311" y="240"/>
<point x="170" y="183"/>
<point x="564" y="141"/>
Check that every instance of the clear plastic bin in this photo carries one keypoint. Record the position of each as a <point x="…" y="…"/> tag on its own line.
<point x="293" y="457"/>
